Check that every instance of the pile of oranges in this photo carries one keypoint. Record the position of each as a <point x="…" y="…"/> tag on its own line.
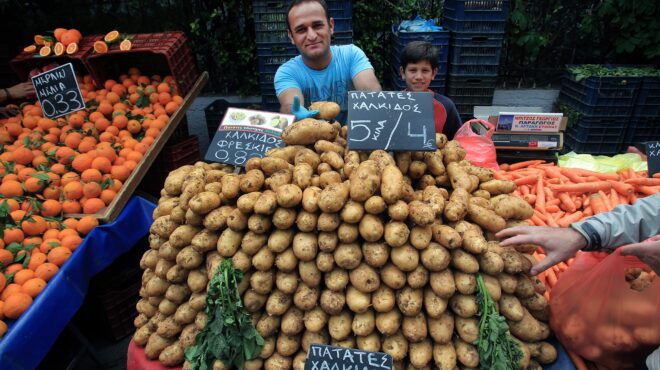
<point x="63" y="40"/>
<point x="69" y="165"/>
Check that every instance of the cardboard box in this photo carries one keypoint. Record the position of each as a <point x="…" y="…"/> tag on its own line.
<point x="528" y="141"/>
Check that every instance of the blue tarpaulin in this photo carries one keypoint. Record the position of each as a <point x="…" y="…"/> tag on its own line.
<point x="29" y="338"/>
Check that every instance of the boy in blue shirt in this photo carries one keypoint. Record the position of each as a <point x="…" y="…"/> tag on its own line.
<point x="419" y="65"/>
<point x="321" y="72"/>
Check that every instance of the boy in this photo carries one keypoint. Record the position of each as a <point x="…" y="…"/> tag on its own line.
<point x="419" y="65"/>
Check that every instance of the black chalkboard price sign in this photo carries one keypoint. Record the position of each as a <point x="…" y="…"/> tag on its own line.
<point x="391" y="120"/>
<point x="653" y="157"/>
<point x="324" y="357"/>
<point x="245" y="133"/>
<point x="58" y="91"/>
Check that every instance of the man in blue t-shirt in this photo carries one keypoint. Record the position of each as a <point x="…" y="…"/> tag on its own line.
<point x="321" y="72"/>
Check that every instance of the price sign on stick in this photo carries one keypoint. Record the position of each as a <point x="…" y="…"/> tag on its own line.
<point x="653" y="157"/>
<point x="324" y="357"/>
<point x="245" y="133"/>
<point x="58" y="91"/>
<point x="391" y="120"/>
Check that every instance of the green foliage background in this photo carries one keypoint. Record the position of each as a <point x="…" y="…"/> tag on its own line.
<point x="542" y="35"/>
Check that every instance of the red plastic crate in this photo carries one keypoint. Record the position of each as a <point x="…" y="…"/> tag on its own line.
<point x="24" y="62"/>
<point x="166" y="53"/>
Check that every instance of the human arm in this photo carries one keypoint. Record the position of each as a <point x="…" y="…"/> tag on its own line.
<point x="18" y="91"/>
<point x="366" y="81"/>
<point x="453" y="122"/>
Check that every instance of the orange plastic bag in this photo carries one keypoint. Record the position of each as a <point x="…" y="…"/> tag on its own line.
<point x="595" y="313"/>
<point x="480" y="148"/>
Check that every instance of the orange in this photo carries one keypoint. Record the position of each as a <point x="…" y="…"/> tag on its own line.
<point x="12" y="235"/>
<point x="10" y="189"/>
<point x="120" y="121"/>
<point x="134" y="156"/>
<point x="93" y="205"/>
<point x="100" y="47"/>
<point x="86" y="224"/>
<point x="59" y="255"/>
<point x="70" y="36"/>
<point x="71" y="206"/>
<point x="3" y="326"/>
<point x="130" y="164"/>
<point x="134" y="126"/>
<point x="34" y="185"/>
<point x="34" y="286"/>
<point x="16" y="304"/>
<point x="17" y="215"/>
<point x="73" y="190"/>
<point x="36" y="227"/>
<point x="108" y="195"/>
<point x="111" y="36"/>
<point x="71" y="242"/>
<point x="69" y="177"/>
<point x="102" y="163"/>
<point x="22" y="276"/>
<point x="73" y="139"/>
<point x="120" y="173"/>
<point x="112" y="97"/>
<point x="49" y="244"/>
<point x="70" y="224"/>
<point x="58" y="32"/>
<point x="10" y="290"/>
<point x="59" y="48"/>
<point x="171" y="107"/>
<point x="105" y="108"/>
<point x="65" y="155"/>
<point x="30" y="49"/>
<point x="36" y="259"/>
<point x="39" y="40"/>
<point x="91" y="174"/>
<point x="6" y="257"/>
<point x="23" y="156"/>
<point x="82" y="162"/>
<point x="52" y="192"/>
<point x="51" y="208"/>
<point x="46" y="271"/>
<point x="102" y="124"/>
<point x="45" y="51"/>
<point x="72" y="48"/>
<point x="3" y="282"/>
<point x="125" y="45"/>
<point x="92" y="190"/>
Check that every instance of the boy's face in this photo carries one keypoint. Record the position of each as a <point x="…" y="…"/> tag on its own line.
<point x="418" y="76"/>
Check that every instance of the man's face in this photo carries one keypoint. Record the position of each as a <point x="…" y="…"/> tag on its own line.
<point x="418" y="76"/>
<point x="309" y="30"/>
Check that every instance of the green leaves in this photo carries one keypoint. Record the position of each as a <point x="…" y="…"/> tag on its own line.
<point x="229" y="335"/>
<point x="497" y="349"/>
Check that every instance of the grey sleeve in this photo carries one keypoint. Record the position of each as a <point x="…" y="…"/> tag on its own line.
<point x="625" y="224"/>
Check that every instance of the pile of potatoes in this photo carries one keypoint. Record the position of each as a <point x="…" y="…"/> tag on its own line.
<point x="353" y="249"/>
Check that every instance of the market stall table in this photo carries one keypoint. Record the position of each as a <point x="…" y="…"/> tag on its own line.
<point x="31" y="336"/>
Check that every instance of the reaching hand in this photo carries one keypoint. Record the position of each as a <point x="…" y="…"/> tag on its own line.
<point x="7" y="112"/>
<point x="647" y="251"/>
<point x="21" y="90"/>
<point x="299" y="111"/>
<point x="559" y="244"/>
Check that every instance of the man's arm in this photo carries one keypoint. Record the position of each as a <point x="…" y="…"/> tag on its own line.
<point x="366" y="81"/>
<point x="286" y="99"/>
<point x="623" y="225"/>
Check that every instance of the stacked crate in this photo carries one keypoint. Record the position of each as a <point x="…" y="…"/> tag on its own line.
<point x="477" y="31"/>
<point x="599" y="111"/>
<point x="645" y="122"/>
<point x="274" y="47"/>
<point x="439" y="39"/>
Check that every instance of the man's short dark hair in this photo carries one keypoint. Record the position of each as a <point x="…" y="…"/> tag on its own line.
<point x="419" y="51"/>
<point x="298" y="2"/>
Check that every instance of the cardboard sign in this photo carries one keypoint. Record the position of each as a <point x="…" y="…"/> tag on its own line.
<point x="529" y="122"/>
<point x="246" y="133"/>
<point x="324" y="357"/>
<point x="391" y="120"/>
<point x="653" y="157"/>
<point x="58" y="91"/>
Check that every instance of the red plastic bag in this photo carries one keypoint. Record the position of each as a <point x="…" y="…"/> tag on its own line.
<point x="595" y="313"/>
<point x="480" y="148"/>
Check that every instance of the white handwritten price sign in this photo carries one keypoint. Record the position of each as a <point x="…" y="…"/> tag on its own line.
<point x="324" y="357"/>
<point x="653" y="157"/>
<point x="391" y="120"/>
<point x="58" y="91"/>
<point x="246" y="133"/>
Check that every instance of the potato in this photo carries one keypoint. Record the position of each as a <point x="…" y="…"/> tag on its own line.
<point x="146" y="308"/>
<point x="302" y="175"/>
<point x="155" y="345"/>
<point x="315" y="320"/>
<point x="443" y="283"/>
<point x="309" y="273"/>
<point x="452" y="152"/>
<point x="383" y="299"/>
<point x="174" y="181"/>
<point x="467" y="354"/>
<point x="375" y="254"/>
<point x="339" y="326"/>
<point x="396" y="233"/>
<point x="327" y="146"/>
<point x="263" y="260"/>
<point x="417" y="169"/>
<point x="332" y="302"/>
<point x="497" y="187"/>
<point x="531" y="330"/>
<point x="253" y="302"/>
<point x="328" y="241"/>
<point x="176" y="274"/>
<point x="188" y="335"/>
<point x="268" y="325"/>
<point x="352" y="212"/>
<point x="348" y="233"/>
<point x="510" y="207"/>
<point x="370" y="342"/>
<point x="168" y="328"/>
<point x="349" y="342"/>
<point x="163" y="226"/>
<point x="189" y="258"/>
<point x="320" y="337"/>
<point x="375" y="205"/>
<point x="255" y="364"/>
<point x="465" y="283"/>
<point x="336" y="280"/>
<point x="251" y="181"/>
<point x="278" y="303"/>
<point x="286" y="282"/>
<point x="446" y="236"/>
<point x="410" y="301"/>
<point x="287" y="345"/>
<point x="434" y="305"/>
<point x="262" y="282"/>
<point x="421" y="213"/>
<point x="459" y="177"/>
<point x="535" y="303"/>
<point x="286" y="261"/>
<point x="371" y="228"/>
<point x="327" y="110"/>
<point x="464" y="305"/>
<point x="444" y="356"/>
<point x="490" y="263"/>
<point x="280" y="240"/>
<point x="388" y="323"/>
<point x="156" y="286"/>
<point x="398" y="211"/>
<point x="242" y="261"/>
<point x="515" y="263"/>
<point x="435" y="257"/>
<point x="464" y="261"/>
<point x="467" y="329"/>
<point x="269" y="347"/>
<point x="348" y="255"/>
<point x="364" y="181"/>
<point x="185" y="314"/>
<point x="364" y="323"/>
<point x="162" y="266"/>
<point x="308" y="156"/>
<point x="457" y="206"/>
<point x="328" y="222"/>
<point x="396" y="346"/>
<point x="217" y="218"/>
<point x="272" y="165"/>
<point x="392" y="276"/>
<point x="414" y="328"/>
<point x="420" y="236"/>
<point x="487" y="219"/>
<point x="277" y="361"/>
<point x="288" y="153"/>
<point x="333" y="198"/>
<point x="391" y="185"/>
<point x="334" y="159"/>
<point x="544" y="352"/>
<point x="204" y="202"/>
<point x="418" y="278"/>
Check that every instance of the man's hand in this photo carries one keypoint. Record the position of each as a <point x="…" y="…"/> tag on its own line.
<point x="559" y="244"/>
<point x="299" y="111"/>
<point x="21" y="90"/>
<point x="647" y="251"/>
<point x="6" y="112"/>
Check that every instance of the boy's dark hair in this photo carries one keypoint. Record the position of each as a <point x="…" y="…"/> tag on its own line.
<point x="418" y="51"/>
<point x="298" y="2"/>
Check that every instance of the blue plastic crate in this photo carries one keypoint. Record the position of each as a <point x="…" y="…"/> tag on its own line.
<point x="270" y="6"/>
<point x="340" y="8"/>
<point x="472" y="26"/>
<point x="595" y="110"/>
<point x="617" y="91"/>
<point x="276" y="49"/>
<point x="270" y="64"/>
<point x="437" y="38"/>
<point x="269" y="32"/>
<point x="266" y="78"/>
<point x="458" y="86"/>
<point x="475" y="49"/>
<point x="648" y="99"/>
<point x="484" y="70"/>
<point x="642" y="129"/>
<point x="596" y="145"/>
<point x="588" y="128"/>
<point x="482" y="10"/>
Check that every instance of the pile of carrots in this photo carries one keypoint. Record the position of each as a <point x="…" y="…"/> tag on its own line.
<point x="561" y="196"/>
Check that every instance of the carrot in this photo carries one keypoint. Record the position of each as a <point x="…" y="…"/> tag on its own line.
<point x="530" y="198"/>
<point x="622" y="188"/>
<point x="614" y="198"/>
<point x="546" y="295"/>
<point x="588" y="212"/>
<point x="644" y="181"/>
<point x="557" y="216"/>
<point x="526" y="180"/>
<point x="553" y="202"/>
<point x="519" y="165"/>
<point x="572" y="175"/>
<point x="589" y="187"/>
<point x="632" y="198"/>
<point x="577" y="361"/>
<point x="601" y="176"/>
<point x="656" y="175"/>
<point x="556" y="269"/>
<point x="598" y="204"/>
<point x="540" y="196"/>
<point x="552" y="222"/>
<point x="648" y="190"/>
<point x="554" y="181"/>
<point x="554" y="173"/>
<point x="541" y="215"/>
<point x="551" y="208"/>
<point x="562" y="266"/>
<point x="570" y="218"/>
<point x="500" y="175"/>
<point x="567" y="203"/>
<point x="552" y="277"/>
<point x="537" y="221"/>
<point x="524" y="190"/>
<point x="606" y="200"/>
